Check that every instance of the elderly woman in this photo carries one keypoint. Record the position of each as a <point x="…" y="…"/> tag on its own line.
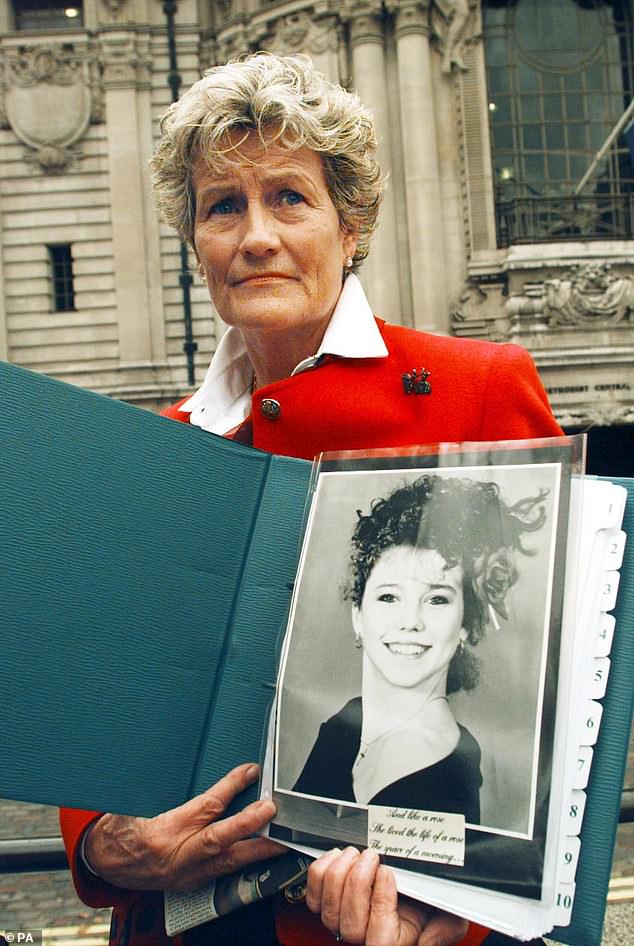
<point x="269" y="172"/>
<point x="428" y="564"/>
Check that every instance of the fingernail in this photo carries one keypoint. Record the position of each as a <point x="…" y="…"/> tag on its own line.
<point x="368" y="854"/>
<point x="253" y="771"/>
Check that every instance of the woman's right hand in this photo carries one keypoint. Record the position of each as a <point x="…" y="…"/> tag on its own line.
<point x="184" y="848"/>
<point x="356" y="898"/>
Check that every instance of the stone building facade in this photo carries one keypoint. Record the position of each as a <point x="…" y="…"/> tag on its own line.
<point x="489" y="113"/>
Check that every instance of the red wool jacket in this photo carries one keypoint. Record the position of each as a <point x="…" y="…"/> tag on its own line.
<point x="478" y="391"/>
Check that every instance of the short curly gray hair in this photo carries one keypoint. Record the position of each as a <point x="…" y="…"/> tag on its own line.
<point x="265" y="92"/>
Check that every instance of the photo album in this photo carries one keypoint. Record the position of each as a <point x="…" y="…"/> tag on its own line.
<point x="430" y="649"/>
<point x="440" y="592"/>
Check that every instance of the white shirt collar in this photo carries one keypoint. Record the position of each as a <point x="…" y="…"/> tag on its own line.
<point x="224" y="398"/>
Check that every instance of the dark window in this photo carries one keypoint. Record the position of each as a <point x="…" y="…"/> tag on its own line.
<point x="62" y="277"/>
<point x="48" y="14"/>
<point x="560" y="76"/>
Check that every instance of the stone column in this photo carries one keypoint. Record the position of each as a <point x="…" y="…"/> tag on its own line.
<point x="421" y="167"/>
<point x="135" y="238"/>
<point x="6" y="19"/>
<point x="380" y="274"/>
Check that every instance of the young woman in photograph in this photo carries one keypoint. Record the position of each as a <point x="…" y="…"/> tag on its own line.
<point x="429" y="566"/>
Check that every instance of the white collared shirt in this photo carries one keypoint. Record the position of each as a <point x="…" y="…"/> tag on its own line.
<point x="224" y="399"/>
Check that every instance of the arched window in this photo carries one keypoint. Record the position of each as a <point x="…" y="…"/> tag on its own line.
<point x="560" y="76"/>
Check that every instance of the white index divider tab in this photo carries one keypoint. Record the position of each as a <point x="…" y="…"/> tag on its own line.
<point x="601" y="511"/>
<point x="609" y="588"/>
<point x="599" y="679"/>
<point x="576" y="809"/>
<point x="563" y="904"/>
<point x="590" y="723"/>
<point x="605" y="636"/>
<point x="583" y="766"/>
<point x="569" y="859"/>
<point x="615" y="498"/>
<point x="615" y="549"/>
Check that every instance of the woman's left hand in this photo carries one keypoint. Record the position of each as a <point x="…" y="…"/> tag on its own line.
<point x="356" y="898"/>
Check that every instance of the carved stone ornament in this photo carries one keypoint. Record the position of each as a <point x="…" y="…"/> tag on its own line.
<point x="52" y="159"/>
<point x="591" y="296"/>
<point x="125" y="59"/>
<point x="232" y="43"/>
<point x="47" y="101"/>
<point x="454" y="25"/>
<point x="480" y="312"/>
<point x="605" y="416"/>
<point x="364" y="19"/>
<point x="293" y="29"/>
<point x="113" y="8"/>
<point x="224" y="9"/>
<point x="411" y="17"/>
<point x="299" y="32"/>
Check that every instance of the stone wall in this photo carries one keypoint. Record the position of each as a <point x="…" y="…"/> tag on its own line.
<point x="435" y="264"/>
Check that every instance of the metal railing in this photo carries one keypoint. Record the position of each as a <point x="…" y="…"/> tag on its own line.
<point x="30" y="855"/>
<point x="559" y="219"/>
<point x="627" y="806"/>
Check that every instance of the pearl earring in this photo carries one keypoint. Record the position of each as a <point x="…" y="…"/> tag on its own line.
<point x="348" y="262"/>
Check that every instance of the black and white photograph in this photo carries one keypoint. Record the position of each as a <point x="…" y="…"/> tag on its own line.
<point x="421" y="621"/>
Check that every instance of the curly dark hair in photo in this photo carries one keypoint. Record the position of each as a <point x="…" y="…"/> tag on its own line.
<point x="469" y="524"/>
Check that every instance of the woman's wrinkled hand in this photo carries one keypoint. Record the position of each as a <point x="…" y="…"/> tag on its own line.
<point x="186" y="847"/>
<point x="356" y="897"/>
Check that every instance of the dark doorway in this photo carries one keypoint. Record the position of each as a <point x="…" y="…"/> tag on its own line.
<point x="610" y="450"/>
